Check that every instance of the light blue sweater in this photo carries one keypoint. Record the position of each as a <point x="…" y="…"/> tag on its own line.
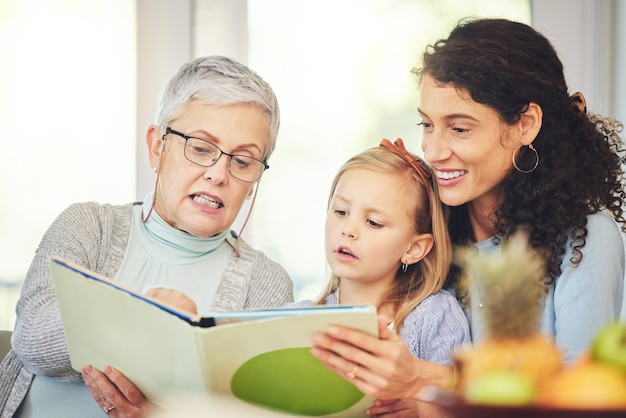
<point x="581" y="299"/>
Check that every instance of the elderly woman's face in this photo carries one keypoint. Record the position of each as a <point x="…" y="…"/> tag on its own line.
<point x="204" y="201"/>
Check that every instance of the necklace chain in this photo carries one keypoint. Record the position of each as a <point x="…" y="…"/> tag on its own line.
<point x="481" y="302"/>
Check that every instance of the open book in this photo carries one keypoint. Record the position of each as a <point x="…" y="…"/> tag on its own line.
<point x="260" y="357"/>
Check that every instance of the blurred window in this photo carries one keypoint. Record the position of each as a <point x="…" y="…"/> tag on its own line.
<point x="68" y="97"/>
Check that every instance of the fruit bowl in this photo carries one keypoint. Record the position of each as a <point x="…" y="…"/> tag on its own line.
<point x="454" y="407"/>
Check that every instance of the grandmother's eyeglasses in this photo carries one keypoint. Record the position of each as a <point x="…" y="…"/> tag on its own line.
<point x="205" y="153"/>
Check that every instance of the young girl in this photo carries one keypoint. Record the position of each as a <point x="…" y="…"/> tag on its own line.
<point x="387" y="244"/>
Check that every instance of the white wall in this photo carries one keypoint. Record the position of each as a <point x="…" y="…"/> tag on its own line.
<point x="592" y="47"/>
<point x="619" y="101"/>
<point x="164" y="42"/>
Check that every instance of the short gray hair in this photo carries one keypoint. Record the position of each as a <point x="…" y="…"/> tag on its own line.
<point x="220" y="81"/>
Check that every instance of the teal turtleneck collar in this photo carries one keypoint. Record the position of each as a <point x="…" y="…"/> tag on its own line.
<point x="159" y="236"/>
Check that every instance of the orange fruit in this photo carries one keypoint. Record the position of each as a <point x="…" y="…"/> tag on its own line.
<point x="588" y="385"/>
<point x="585" y="357"/>
<point x="535" y="357"/>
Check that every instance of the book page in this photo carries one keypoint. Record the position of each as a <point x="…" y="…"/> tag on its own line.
<point x="268" y="363"/>
<point x="106" y="327"/>
<point x="263" y="362"/>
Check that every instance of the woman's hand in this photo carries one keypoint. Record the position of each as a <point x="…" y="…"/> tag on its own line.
<point x="381" y="368"/>
<point x="173" y="298"/>
<point x="404" y="408"/>
<point x="117" y="396"/>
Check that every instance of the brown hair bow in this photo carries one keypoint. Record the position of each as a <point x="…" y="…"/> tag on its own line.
<point x="417" y="163"/>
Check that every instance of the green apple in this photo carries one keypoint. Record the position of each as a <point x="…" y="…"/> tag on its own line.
<point x="609" y="345"/>
<point x="501" y="387"/>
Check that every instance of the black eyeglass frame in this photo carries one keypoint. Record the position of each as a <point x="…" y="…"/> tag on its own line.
<point x="169" y="130"/>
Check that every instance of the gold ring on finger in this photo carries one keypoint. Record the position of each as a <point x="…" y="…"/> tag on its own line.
<point x="352" y="373"/>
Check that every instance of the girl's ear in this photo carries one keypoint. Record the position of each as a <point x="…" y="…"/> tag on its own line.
<point x="156" y="145"/>
<point x="530" y="123"/>
<point x="420" y="247"/>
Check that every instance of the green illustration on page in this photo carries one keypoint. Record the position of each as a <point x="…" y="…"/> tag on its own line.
<point x="293" y="381"/>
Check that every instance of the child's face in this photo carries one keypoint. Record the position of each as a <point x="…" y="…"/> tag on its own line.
<point x="369" y="227"/>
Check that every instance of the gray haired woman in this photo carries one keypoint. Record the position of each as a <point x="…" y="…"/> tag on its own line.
<point x="215" y="131"/>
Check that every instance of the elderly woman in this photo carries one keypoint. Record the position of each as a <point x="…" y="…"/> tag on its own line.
<point x="215" y="130"/>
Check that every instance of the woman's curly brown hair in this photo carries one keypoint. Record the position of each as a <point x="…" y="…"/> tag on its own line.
<point x="506" y="65"/>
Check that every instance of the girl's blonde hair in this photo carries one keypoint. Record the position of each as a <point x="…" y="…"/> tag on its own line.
<point x="428" y="275"/>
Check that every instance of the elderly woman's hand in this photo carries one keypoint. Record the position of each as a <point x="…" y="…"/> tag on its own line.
<point x="173" y="298"/>
<point x="116" y="395"/>
<point x="381" y="368"/>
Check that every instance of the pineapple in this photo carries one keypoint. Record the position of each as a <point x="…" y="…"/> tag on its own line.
<point x="512" y="283"/>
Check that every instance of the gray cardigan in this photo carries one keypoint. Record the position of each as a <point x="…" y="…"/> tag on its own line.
<point x="96" y="236"/>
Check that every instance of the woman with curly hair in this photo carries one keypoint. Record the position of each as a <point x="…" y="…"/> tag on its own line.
<point x="512" y="150"/>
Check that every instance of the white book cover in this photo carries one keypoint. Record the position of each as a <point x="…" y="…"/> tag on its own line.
<point x="259" y="357"/>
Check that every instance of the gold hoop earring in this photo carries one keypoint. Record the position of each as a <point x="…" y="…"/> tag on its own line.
<point x="530" y="146"/>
